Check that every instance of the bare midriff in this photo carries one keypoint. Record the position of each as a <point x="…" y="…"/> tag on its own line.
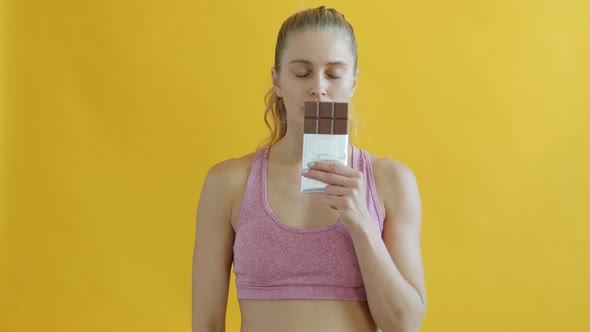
<point x="306" y="315"/>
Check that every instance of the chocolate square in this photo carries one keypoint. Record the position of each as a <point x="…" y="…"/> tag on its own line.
<point x="312" y="109"/>
<point x="310" y="126"/>
<point x="341" y="110"/>
<point x="340" y="126"/>
<point x="326" y="126"/>
<point x="326" y="118"/>
<point x="326" y="110"/>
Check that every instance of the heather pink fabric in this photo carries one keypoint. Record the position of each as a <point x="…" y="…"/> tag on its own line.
<point x="275" y="261"/>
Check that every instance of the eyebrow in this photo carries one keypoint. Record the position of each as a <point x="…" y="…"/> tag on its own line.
<point x="332" y="63"/>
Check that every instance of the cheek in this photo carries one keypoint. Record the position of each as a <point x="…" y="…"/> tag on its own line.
<point x="292" y="96"/>
<point x="344" y="88"/>
<point x="294" y="89"/>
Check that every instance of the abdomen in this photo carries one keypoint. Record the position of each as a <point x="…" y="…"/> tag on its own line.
<point x="306" y="315"/>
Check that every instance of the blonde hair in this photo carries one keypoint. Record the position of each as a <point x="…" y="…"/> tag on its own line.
<point x="316" y="19"/>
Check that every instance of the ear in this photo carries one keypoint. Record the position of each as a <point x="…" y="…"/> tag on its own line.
<point x="354" y="83"/>
<point x="275" y="82"/>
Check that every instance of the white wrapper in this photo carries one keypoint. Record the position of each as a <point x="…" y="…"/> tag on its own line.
<point x="322" y="147"/>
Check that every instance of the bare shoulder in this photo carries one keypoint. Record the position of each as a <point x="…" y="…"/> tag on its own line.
<point x="230" y="173"/>
<point x="224" y="187"/>
<point x="391" y="171"/>
<point x="396" y="184"/>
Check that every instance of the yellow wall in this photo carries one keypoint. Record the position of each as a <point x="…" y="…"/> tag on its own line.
<point x="112" y="112"/>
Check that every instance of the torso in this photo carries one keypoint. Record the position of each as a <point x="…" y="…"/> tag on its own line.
<point x="306" y="315"/>
<point x="299" y="211"/>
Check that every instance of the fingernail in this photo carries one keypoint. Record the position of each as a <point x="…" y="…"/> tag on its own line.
<point x="304" y="171"/>
<point x="310" y="164"/>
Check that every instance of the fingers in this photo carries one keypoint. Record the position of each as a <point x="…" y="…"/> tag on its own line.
<point x="333" y="167"/>
<point x="334" y="174"/>
<point x="340" y="202"/>
<point x="337" y="191"/>
<point x="329" y="178"/>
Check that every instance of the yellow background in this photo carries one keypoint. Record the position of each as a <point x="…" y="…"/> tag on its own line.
<point x="113" y="111"/>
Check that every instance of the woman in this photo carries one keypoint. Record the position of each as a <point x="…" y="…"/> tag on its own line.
<point x="345" y="260"/>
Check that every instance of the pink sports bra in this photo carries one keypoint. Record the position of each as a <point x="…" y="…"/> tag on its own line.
<point x="275" y="261"/>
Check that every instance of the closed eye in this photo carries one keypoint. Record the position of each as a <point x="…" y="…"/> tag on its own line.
<point x="335" y="77"/>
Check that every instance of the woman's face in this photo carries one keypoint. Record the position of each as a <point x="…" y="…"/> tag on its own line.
<point x="315" y="66"/>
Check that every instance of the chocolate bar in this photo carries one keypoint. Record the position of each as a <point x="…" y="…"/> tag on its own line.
<point x="326" y="118"/>
<point x="325" y="138"/>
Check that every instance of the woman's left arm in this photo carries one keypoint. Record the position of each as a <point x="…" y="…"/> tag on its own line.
<point x="391" y="264"/>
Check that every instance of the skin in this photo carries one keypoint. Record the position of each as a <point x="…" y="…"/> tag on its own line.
<point x="316" y="65"/>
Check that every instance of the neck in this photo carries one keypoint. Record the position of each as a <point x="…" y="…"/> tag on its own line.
<point x="288" y="150"/>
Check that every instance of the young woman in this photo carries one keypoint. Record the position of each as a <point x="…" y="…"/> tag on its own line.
<point x="345" y="260"/>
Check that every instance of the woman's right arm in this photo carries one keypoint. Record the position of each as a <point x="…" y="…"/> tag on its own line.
<point x="212" y="257"/>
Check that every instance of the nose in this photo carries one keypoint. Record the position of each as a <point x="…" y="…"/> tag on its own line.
<point x="318" y="88"/>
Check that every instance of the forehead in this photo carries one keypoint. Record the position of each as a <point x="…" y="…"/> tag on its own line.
<point x="318" y="47"/>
